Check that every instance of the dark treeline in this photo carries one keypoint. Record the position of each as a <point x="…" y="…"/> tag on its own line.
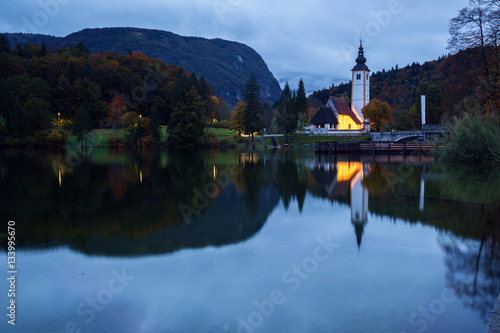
<point x="41" y="91"/>
<point x="450" y="83"/>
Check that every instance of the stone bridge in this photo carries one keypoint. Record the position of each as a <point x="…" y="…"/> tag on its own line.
<point x="428" y="132"/>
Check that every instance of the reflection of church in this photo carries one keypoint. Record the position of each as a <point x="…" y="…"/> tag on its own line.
<point x="338" y="179"/>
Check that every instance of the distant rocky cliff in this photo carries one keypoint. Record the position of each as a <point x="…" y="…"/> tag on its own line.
<point x="224" y="64"/>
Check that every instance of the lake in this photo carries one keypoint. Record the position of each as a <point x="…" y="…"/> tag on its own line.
<point x="247" y="242"/>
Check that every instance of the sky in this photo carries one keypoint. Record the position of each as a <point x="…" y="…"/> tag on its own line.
<point x="316" y="40"/>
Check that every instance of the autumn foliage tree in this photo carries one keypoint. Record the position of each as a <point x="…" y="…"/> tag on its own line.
<point x="115" y="112"/>
<point x="377" y="112"/>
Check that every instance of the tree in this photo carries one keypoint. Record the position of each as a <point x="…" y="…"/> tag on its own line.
<point x="17" y="124"/>
<point x="301" y="102"/>
<point x="154" y="124"/>
<point x="434" y="102"/>
<point x="237" y="117"/>
<point x="38" y="116"/>
<point x="4" y="45"/>
<point x="187" y="125"/>
<point x="252" y="118"/>
<point x="287" y="117"/>
<point x="377" y="112"/>
<point x="302" y="123"/>
<point x="129" y="122"/>
<point x="477" y="27"/>
<point x="115" y="112"/>
<point x="140" y="131"/>
<point x="82" y="124"/>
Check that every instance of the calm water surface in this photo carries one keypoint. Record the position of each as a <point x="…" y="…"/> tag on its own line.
<point x="256" y="242"/>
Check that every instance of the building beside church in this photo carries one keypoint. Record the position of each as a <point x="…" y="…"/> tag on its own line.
<point x="336" y="115"/>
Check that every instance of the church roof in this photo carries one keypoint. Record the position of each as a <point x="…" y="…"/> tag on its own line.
<point x="344" y="109"/>
<point x="325" y="115"/>
<point x="361" y="60"/>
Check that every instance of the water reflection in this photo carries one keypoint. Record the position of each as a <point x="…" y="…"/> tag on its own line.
<point x="142" y="203"/>
<point x="111" y="198"/>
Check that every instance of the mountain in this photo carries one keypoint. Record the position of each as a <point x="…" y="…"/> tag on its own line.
<point x="225" y="64"/>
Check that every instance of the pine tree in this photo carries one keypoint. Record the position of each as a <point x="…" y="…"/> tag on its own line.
<point x="181" y="88"/>
<point x="187" y="123"/>
<point x="252" y="118"/>
<point x="18" y="127"/>
<point x="82" y="124"/>
<point x="287" y="116"/>
<point x="4" y="45"/>
<point x="301" y="101"/>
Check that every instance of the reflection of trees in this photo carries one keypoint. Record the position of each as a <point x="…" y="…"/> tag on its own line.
<point x="125" y="198"/>
<point x="291" y="181"/>
<point x="474" y="269"/>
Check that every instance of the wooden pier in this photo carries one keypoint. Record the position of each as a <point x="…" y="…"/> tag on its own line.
<point x="335" y="147"/>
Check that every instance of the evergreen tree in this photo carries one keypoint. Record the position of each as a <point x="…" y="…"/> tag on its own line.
<point x="4" y="45"/>
<point x="82" y="124"/>
<point x="139" y="132"/>
<point x="38" y="116"/>
<point x="154" y="124"/>
<point x="187" y="123"/>
<point x="17" y="126"/>
<point x="18" y="50"/>
<point x="287" y="116"/>
<point x="71" y="72"/>
<point x="43" y="50"/>
<point x="252" y="118"/>
<point x="301" y="101"/>
<point x="181" y="88"/>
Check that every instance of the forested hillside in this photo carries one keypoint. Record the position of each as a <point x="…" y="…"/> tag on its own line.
<point x="452" y="85"/>
<point x="39" y="88"/>
<point x="225" y="64"/>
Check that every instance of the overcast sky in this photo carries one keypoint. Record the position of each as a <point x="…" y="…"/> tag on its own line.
<point x="316" y="40"/>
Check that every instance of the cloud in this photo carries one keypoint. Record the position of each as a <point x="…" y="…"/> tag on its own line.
<point x="315" y="40"/>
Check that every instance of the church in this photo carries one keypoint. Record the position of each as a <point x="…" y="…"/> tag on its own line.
<point x="336" y="115"/>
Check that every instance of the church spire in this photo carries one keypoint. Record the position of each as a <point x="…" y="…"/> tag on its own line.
<point x="360" y="60"/>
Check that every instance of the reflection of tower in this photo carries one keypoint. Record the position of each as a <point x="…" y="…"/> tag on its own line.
<point x="359" y="205"/>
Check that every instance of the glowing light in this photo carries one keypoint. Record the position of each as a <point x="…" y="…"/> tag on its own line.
<point x="140" y="176"/>
<point x="60" y="178"/>
<point x="215" y="172"/>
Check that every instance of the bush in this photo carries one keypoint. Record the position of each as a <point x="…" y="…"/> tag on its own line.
<point x="472" y="139"/>
<point x="56" y="137"/>
<point x="146" y="141"/>
<point x="114" y="141"/>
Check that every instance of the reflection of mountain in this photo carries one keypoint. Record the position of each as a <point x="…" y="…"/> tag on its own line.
<point x="224" y="222"/>
<point x="128" y="203"/>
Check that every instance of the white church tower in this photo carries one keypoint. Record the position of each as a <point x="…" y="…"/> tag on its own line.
<point x="360" y="94"/>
